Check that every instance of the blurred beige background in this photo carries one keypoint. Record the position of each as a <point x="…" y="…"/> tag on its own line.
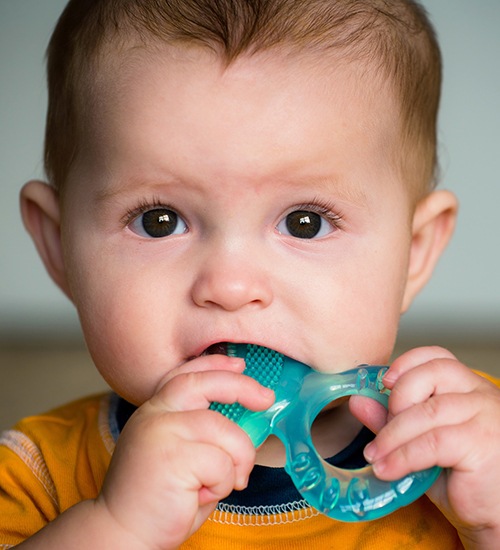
<point x="43" y="361"/>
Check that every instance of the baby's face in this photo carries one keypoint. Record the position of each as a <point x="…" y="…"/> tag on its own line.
<point x="259" y="203"/>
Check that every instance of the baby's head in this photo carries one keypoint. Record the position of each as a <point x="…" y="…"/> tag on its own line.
<point x="239" y="171"/>
<point x="392" y="42"/>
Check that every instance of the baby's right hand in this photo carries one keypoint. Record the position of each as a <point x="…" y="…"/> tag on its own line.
<point x="175" y="459"/>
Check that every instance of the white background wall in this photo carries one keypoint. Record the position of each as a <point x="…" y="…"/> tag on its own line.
<point x="464" y="294"/>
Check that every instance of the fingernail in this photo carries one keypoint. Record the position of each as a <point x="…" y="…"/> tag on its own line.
<point x="388" y="378"/>
<point x="242" y="483"/>
<point x="370" y="451"/>
<point x="378" y="467"/>
<point x="266" y="392"/>
<point x="237" y="363"/>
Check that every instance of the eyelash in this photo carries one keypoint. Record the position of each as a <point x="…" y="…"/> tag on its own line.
<point x="326" y="209"/>
<point x="143" y="206"/>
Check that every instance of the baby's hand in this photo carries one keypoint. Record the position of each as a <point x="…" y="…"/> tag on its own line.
<point x="176" y="459"/>
<point x="441" y="413"/>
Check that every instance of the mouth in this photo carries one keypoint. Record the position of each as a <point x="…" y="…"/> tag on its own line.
<point x="228" y="348"/>
<point x="219" y="348"/>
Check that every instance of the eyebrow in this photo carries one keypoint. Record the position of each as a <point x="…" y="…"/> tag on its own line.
<point x="134" y="183"/>
<point x="342" y="190"/>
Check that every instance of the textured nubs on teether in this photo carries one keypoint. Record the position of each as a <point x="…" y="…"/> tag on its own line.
<point x="262" y="364"/>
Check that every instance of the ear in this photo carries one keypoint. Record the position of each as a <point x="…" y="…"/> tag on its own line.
<point x="41" y="217"/>
<point x="433" y="225"/>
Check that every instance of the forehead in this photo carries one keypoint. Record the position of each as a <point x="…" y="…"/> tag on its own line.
<point x="258" y="113"/>
<point x="188" y="70"/>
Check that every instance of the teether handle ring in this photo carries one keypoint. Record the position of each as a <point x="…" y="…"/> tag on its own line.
<point x="346" y="495"/>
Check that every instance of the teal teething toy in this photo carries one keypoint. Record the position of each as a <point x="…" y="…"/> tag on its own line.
<point x="301" y="393"/>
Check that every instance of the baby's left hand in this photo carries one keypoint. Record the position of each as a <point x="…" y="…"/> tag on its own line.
<point x="441" y="413"/>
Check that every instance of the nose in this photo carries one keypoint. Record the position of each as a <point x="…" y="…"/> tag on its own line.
<point x="231" y="283"/>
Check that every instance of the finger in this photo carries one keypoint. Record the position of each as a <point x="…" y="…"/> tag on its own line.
<point x="205" y="363"/>
<point x="413" y="358"/>
<point x="201" y="475"/>
<point x="196" y="390"/>
<point x="213" y="429"/>
<point x="441" y="446"/>
<point x="436" y="413"/>
<point x="369" y="412"/>
<point x="167" y="435"/>
<point x="436" y="377"/>
<point x="211" y="483"/>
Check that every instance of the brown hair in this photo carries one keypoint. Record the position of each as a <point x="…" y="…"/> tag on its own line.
<point x="394" y="36"/>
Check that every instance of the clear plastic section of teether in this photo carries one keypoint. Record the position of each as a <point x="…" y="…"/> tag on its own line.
<point x="345" y="495"/>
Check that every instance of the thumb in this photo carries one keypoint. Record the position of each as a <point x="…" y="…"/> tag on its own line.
<point x="368" y="411"/>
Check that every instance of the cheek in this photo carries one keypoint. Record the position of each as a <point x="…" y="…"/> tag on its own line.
<point x="120" y="336"/>
<point x="378" y="305"/>
<point x="125" y="323"/>
<point x="360" y="308"/>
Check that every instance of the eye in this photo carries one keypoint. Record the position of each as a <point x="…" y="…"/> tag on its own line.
<point x="158" y="223"/>
<point x="305" y="224"/>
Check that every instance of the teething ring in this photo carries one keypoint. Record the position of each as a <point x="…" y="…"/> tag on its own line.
<point x="301" y="393"/>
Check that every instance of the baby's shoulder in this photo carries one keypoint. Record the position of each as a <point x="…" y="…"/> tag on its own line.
<point x="62" y="433"/>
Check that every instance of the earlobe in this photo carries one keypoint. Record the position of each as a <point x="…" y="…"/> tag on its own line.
<point x="433" y="225"/>
<point x="41" y="217"/>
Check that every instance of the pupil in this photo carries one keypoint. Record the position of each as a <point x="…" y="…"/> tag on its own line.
<point x="303" y="224"/>
<point x="159" y="222"/>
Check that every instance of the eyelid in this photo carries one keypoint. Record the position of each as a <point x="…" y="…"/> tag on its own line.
<point x="331" y="221"/>
<point x="132" y="219"/>
<point x="326" y="209"/>
<point x="144" y="206"/>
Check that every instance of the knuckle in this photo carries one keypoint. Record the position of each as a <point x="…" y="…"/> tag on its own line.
<point x="432" y="408"/>
<point x="433" y="442"/>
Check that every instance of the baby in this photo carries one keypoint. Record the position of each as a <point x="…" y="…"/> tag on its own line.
<point x="243" y="171"/>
